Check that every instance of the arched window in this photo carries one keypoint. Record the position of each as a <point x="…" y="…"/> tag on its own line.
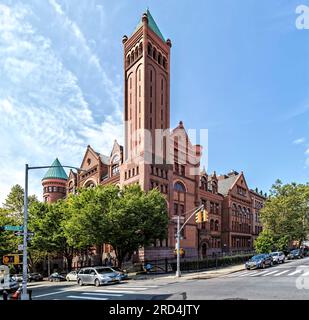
<point x="149" y="49"/>
<point x="132" y="57"/>
<point x="214" y="187"/>
<point x="216" y="225"/>
<point x="136" y="52"/>
<point x="212" y="225"/>
<point x="178" y="186"/>
<point x="154" y="53"/>
<point x="159" y="58"/>
<point x="204" y="250"/>
<point x="164" y="62"/>
<point x="204" y="183"/>
<point x="128" y="60"/>
<point x="140" y="48"/>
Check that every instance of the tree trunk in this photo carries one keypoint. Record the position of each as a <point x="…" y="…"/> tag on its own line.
<point x="69" y="262"/>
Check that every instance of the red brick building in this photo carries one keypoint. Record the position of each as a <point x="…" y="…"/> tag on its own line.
<point x="174" y="168"/>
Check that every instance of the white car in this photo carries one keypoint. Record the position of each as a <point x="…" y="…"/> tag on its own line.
<point x="278" y="257"/>
<point x="71" y="276"/>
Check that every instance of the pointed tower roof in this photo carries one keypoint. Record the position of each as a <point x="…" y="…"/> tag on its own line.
<point x="57" y="172"/>
<point x="152" y="25"/>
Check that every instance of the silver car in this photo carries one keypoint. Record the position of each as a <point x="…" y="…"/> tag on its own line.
<point x="278" y="257"/>
<point x="71" y="276"/>
<point x="97" y="276"/>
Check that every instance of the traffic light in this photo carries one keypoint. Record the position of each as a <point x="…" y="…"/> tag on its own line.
<point x="205" y="215"/>
<point x="199" y="217"/>
<point x="8" y="259"/>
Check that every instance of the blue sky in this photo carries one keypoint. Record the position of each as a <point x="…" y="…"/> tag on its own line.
<point x="239" y="68"/>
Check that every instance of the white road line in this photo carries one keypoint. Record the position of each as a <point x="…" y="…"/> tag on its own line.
<point x="103" y="294"/>
<point x="269" y="273"/>
<point x="236" y="274"/>
<point x="280" y="273"/>
<point x="48" y="294"/>
<point x="86" y="298"/>
<point x="305" y="274"/>
<point x="295" y="272"/>
<point x="116" y="291"/>
<point x="130" y="288"/>
<point x="259" y="273"/>
<point x="249" y="273"/>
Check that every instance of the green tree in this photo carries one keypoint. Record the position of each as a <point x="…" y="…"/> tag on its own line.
<point x="286" y="213"/>
<point x="265" y="242"/>
<point x="126" y="219"/>
<point x="14" y="202"/>
<point x="46" y="221"/>
<point x="8" y="241"/>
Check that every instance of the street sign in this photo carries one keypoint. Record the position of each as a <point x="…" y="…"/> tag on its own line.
<point x="20" y="247"/>
<point x="13" y="228"/>
<point x="20" y="233"/>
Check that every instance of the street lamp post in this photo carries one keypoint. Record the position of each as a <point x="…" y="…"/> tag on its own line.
<point x="178" y="272"/>
<point x="24" y="294"/>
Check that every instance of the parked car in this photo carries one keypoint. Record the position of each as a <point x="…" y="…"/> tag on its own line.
<point x="123" y="274"/>
<point x="97" y="276"/>
<point x="35" y="277"/>
<point x="71" y="276"/>
<point x="259" y="261"/>
<point x="13" y="285"/>
<point x="295" y="254"/>
<point x="278" y="257"/>
<point x="56" y="277"/>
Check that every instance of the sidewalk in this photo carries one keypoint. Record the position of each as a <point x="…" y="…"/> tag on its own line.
<point x="205" y="274"/>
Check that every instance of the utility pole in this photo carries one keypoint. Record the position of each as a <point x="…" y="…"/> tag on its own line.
<point x="24" y="294"/>
<point x="178" y="272"/>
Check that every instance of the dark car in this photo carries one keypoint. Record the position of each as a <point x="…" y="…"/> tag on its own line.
<point x="295" y="254"/>
<point x="259" y="261"/>
<point x="35" y="277"/>
<point x="56" y="277"/>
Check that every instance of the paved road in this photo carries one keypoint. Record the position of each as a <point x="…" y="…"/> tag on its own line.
<point x="278" y="282"/>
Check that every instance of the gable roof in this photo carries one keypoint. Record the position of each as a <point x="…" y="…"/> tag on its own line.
<point x="57" y="172"/>
<point x="224" y="185"/>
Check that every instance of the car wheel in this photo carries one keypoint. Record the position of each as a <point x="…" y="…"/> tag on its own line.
<point x="263" y="265"/>
<point x="271" y="264"/>
<point x="67" y="278"/>
<point x="97" y="282"/>
<point x="80" y="282"/>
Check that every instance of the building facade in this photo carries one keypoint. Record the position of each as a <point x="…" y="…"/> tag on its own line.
<point x="156" y="157"/>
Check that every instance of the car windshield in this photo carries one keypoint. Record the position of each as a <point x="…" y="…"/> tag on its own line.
<point x="258" y="257"/>
<point x="104" y="270"/>
<point x="274" y="254"/>
<point x="117" y="269"/>
<point x="295" y="251"/>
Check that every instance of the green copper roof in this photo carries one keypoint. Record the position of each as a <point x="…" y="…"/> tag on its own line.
<point x="57" y="172"/>
<point x="152" y="25"/>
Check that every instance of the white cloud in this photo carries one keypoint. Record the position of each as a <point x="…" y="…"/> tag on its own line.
<point x="299" y="141"/>
<point x="44" y="112"/>
<point x="307" y="152"/>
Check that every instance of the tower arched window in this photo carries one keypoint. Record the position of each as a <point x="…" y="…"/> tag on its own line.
<point x="154" y="53"/>
<point x="136" y="52"/>
<point x="159" y="58"/>
<point x="140" y="48"/>
<point x="164" y="62"/>
<point x="128" y="60"/>
<point x="204" y="183"/>
<point x="132" y="57"/>
<point x="214" y="187"/>
<point x="149" y="49"/>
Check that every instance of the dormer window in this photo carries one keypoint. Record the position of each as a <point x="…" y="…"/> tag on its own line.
<point x="89" y="161"/>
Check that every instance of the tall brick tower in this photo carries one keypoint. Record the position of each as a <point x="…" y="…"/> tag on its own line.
<point x="146" y="98"/>
<point x="54" y="183"/>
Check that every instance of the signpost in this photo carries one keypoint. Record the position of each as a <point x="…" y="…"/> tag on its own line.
<point x="20" y="233"/>
<point x="13" y="228"/>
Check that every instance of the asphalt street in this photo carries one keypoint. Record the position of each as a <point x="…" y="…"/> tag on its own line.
<point x="285" y="281"/>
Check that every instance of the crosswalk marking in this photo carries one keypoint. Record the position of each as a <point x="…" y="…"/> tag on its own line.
<point x="116" y="291"/>
<point x="47" y="294"/>
<point x="280" y="273"/>
<point x="258" y="273"/>
<point x="247" y="273"/>
<point x="103" y="294"/>
<point x="125" y="288"/>
<point x="269" y="273"/>
<point x="305" y="274"/>
<point x="87" y="298"/>
<point x="295" y="272"/>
